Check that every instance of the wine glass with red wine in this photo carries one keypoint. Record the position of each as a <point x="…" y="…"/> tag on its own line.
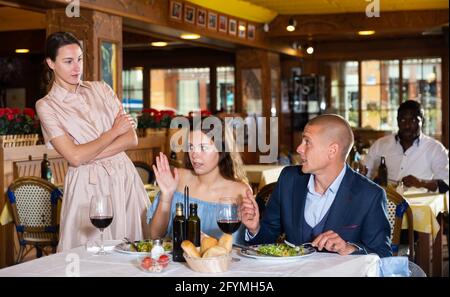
<point x="229" y="214"/>
<point x="101" y="215"/>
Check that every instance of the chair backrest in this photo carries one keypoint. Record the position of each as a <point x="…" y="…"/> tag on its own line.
<point x="33" y="203"/>
<point x="262" y="198"/>
<point x="397" y="208"/>
<point x="59" y="167"/>
<point x="263" y="195"/>
<point x="145" y="172"/>
<point x="416" y="270"/>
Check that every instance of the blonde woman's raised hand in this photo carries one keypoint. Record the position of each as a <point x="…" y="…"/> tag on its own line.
<point x="167" y="181"/>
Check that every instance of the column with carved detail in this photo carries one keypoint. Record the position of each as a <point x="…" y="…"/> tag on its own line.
<point x="101" y="36"/>
<point x="258" y="90"/>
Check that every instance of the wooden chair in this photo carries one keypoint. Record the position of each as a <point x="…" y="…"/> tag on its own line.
<point x="145" y="172"/>
<point x="397" y="207"/>
<point x="33" y="203"/>
<point x="262" y="198"/>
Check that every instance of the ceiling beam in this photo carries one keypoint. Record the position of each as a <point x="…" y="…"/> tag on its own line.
<point x="351" y="23"/>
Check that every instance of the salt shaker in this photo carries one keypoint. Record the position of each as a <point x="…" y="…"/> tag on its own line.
<point x="157" y="249"/>
<point x="400" y="188"/>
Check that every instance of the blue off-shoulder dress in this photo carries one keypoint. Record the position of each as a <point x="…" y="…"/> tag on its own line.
<point x="206" y="211"/>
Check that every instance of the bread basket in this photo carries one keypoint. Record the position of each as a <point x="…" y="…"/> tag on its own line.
<point x="209" y="265"/>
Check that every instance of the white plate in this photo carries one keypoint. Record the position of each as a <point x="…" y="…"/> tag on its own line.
<point x="125" y="249"/>
<point x="308" y="251"/>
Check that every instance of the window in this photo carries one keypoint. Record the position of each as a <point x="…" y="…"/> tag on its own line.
<point x="133" y="89"/>
<point x="381" y="94"/>
<point x="182" y="90"/>
<point x="225" y="89"/>
<point x="422" y="82"/>
<point x="344" y="90"/>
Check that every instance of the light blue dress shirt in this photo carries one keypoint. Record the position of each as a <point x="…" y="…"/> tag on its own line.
<point x="317" y="205"/>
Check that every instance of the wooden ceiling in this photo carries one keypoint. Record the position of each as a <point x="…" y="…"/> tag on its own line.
<point x="317" y="20"/>
<point x="14" y="19"/>
<point x="338" y="20"/>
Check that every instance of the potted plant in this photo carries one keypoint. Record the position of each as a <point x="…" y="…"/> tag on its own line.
<point x="19" y="126"/>
<point x="151" y="120"/>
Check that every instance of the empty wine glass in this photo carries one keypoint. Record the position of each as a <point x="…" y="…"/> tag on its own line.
<point x="229" y="214"/>
<point x="101" y="215"/>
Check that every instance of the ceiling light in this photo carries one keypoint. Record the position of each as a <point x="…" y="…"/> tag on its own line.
<point x="310" y="50"/>
<point x="22" y="51"/>
<point x="159" y="43"/>
<point x="366" y="32"/>
<point x="190" y="36"/>
<point x="241" y="27"/>
<point x="291" y="25"/>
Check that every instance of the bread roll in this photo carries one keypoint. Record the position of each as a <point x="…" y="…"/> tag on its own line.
<point x="226" y="241"/>
<point x="207" y="242"/>
<point x="190" y="249"/>
<point x="215" y="251"/>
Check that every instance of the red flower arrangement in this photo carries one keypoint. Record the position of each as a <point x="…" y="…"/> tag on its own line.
<point x="152" y="118"/>
<point x="14" y="121"/>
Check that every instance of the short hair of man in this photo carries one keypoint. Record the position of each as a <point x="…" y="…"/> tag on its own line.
<point x="337" y="129"/>
<point x="413" y="106"/>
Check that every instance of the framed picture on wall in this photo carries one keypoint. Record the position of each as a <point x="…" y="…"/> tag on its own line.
<point x="223" y="23"/>
<point x="189" y="14"/>
<point x="242" y="28"/>
<point x="212" y="20"/>
<point x="232" y="27"/>
<point x="176" y="9"/>
<point x="251" y="31"/>
<point x="108" y="63"/>
<point x="201" y="17"/>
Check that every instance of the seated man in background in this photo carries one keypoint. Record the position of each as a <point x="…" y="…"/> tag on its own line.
<point x="411" y="157"/>
<point x="323" y="201"/>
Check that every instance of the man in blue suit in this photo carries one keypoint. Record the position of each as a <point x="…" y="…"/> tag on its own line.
<point x="323" y="201"/>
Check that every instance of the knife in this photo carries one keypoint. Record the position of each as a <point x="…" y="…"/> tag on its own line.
<point x="243" y="248"/>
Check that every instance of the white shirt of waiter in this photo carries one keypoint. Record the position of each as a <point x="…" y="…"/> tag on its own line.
<point x="426" y="159"/>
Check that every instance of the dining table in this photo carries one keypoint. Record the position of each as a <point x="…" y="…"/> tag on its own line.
<point x="82" y="261"/>
<point x="260" y="175"/>
<point x="427" y="209"/>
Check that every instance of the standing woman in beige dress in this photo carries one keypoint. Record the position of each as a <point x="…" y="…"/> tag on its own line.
<point x="85" y="123"/>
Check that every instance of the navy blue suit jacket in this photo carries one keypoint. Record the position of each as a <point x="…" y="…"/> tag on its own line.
<point x="358" y="213"/>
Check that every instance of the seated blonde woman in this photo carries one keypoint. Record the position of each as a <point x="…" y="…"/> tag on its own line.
<point x="211" y="172"/>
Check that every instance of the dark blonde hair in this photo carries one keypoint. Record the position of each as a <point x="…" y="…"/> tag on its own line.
<point x="230" y="163"/>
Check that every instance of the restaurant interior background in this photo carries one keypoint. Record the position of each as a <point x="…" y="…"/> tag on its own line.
<point x="240" y="58"/>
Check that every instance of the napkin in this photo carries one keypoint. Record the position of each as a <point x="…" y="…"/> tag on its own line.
<point x="394" y="266"/>
<point x="94" y="247"/>
<point x="413" y="190"/>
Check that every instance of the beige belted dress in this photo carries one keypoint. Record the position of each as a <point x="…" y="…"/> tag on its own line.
<point x="84" y="116"/>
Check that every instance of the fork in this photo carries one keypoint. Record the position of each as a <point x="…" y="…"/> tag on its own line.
<point x="297" y="247"/>
<point x="130" y="242"/>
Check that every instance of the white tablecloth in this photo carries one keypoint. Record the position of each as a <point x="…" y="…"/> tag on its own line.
<point x="117" y="264"/>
